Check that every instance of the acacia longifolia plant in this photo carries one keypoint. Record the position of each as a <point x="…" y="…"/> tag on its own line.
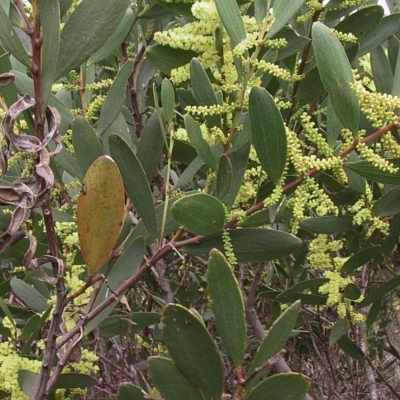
<point x="199" y="199"/>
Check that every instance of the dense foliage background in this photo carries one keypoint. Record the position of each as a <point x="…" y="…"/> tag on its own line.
<point x="199" y="199"/>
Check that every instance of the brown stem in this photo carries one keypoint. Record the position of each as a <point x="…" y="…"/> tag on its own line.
<point x="42" y="388"/>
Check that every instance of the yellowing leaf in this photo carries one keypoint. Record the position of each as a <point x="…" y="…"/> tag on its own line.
<point x="100" y="212"/>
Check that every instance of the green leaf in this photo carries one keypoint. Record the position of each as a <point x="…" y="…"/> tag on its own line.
<point x="268" y="133"/>
<point x="101" y="207"/>
<point x="230" y="15"/>
<point x="283" y="12"/>
<point x="360" y="258"/>
<point x="388" y="204"/>
<point x="361" y="22"/>
<point x="32" y="327"/>
<point x="131" y="392"/>
<point x="329" y="224"/>
<point x="87" y="29"/>
<point x="199" y="213"/>
<point x="338" y="330"/>
<point x="115" y="98"/>
<point x="170" y="382"/>
<point x="135" y="182"/>
<point x="10" y="40"/>
<point x="224" y="177"/>
<point x="227" y="306"/>
<point x="352" y="292"/>
<point x="380" y="291"/>
<point x="24" y="85"/>
<point x="170" y="224"/>
<point x="166" y="58"/>
<point x="200" y="144"/>
<point x="350" y="348"/>
<point x="50" y="20"/>
<point x="333" y="125"/>
<point x="276" y="337"/>
<point x="238" y="159"/>
<point x="75" y="380"/>
<point x="259" y="218"/>
<point x="192" y="349"/>
<point x="297" y="293"/>
<point x="150" y="146"/>
<point x="335" y="71"/>
<point x="168" y="99"/>
<point x="126" y="265"/>
<point x="250" y="245"/>
<point x="369" y="171"/>
<point x="115" y="39"/>
<point x="291" y="386"/>
<point x="87" y="147"/>
<point x="28" y="295"/>
<point x="387" y="27"/>
<point x="381" y="71"/>
<point x="117" y="325"/>
<point x="27" y="381"/>
<point x="203" y="91"/>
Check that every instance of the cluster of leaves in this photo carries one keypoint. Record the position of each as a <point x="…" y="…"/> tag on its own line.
<point x="187" y="186"/>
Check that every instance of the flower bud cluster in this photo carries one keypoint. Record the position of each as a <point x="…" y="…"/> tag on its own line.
<point x="379" y="108"/>
<point x="310" y="198"/>
<point x="324" y="255"/>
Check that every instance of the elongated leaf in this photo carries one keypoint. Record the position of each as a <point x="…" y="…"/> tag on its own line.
<point x="238" y="161"/>
<point x="362" y="21"/>
<point x="388" y="204"/>
<point x="171" y="383"/>
<point x="168" y="99"/>
<point x="170" y="224"/>
<point x="87" y="29"/>
<point x="116" y="325"/>
<point x="74" y="380"/>
<point x="328" y="224"/>
<point x="268" y="133"/>
<point x="227" y="306"/>
<point x="224" y="177"/>
<point x="50" y="20"/>
<point x="230" y="15"/>
<point x="250" y="245"/>
<point x="199" y="213"/>
<point x="283" y="12"/>
<point x="86" y="144"/>
<point x="150" y="146"/>
<point x="350" y="348"/>
<point x="381" y="71"/>
<point x="380" y="291"/>
<point x="115" y="98"/>
<point x="126" y="266"/>
<point x="115" y="39"/>
<point x="192" y="349"/>
<point x="202" y="90"/>
<point x="100" y="212"/>
<point x="387" y="27"/>
<point x="277" y="336"/>
<point x="10" y="39"/>
<point x="28" y="295"/>
<point x="131" y="392"/>
<point x="335" y="71"/>
<point x="25" y="85"/>
<point x="289" y="386"/>
<point x="135" y="182"/>
<point x="199" y="143"/>
<point x="360" y="258"/>
<point x="166" y="58"/>
<point x="369" y="171"/>
<point x="338" y="330"/>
